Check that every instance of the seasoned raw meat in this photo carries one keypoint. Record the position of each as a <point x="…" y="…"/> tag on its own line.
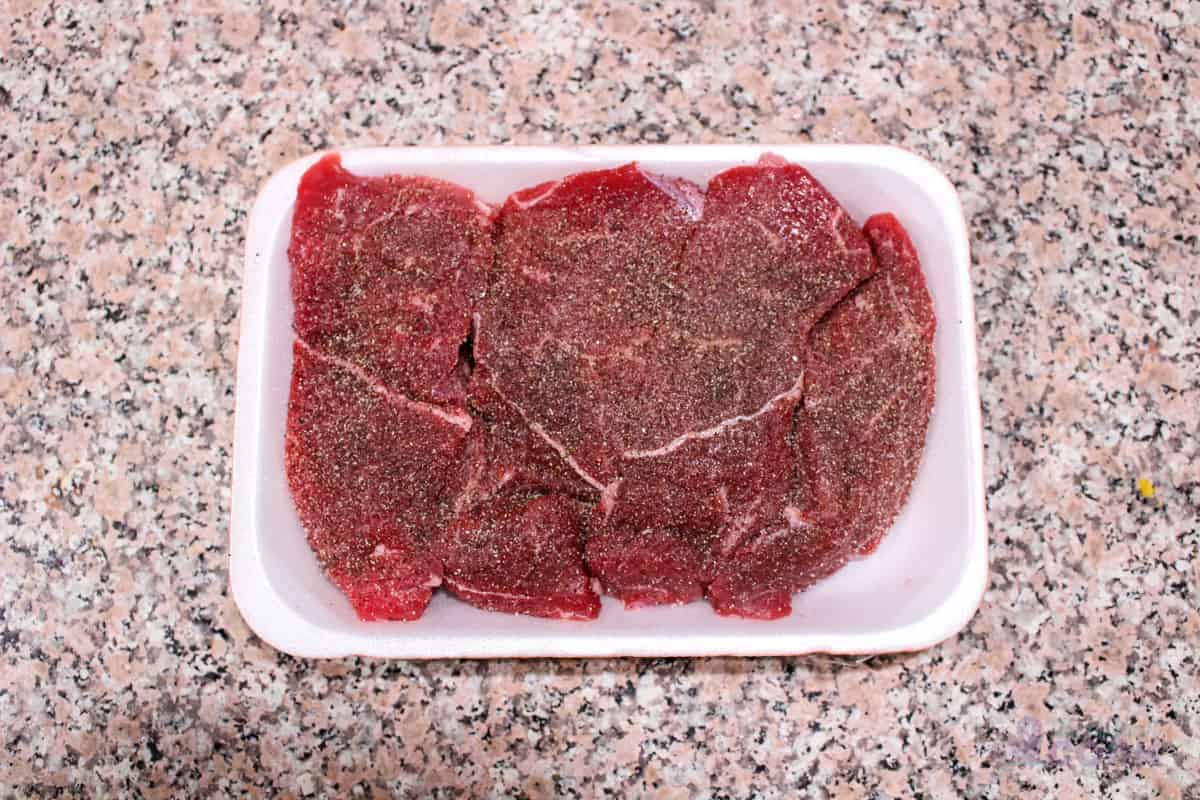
<point x="385" y="273"/>
<point x="522" y="553"/>
<point x="516" y="541"/>
<point x="860" y="434"/>
<point x="772" y="254"/>
<point x="371" y="473"/>
<point x="398" y="487"/>
<point x="579" y="327"/>
<point x="660" y="531"/>
<point x="871" y="393"/>
<point x="703" y="384"/>
<point x="618" y="382"/>
<point x="506" y="453"/>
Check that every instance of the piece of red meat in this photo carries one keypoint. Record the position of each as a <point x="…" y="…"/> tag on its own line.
<point x="873" y="374"/>
<point x="860" y="433"/>
<point x="579" y="322"/>
<point x="385" y="276"/>
<point x="516" y="540"/>
<point x="372" y="474"/>
<point x="772" y="252"/>
<point x="522" y="553"/>
<point x="386" y="272"/>
<point x="398" y="495"/>
<point x="657" y="535"/>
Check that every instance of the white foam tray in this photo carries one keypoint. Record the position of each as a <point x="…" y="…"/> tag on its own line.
<point x="921" y="586"/>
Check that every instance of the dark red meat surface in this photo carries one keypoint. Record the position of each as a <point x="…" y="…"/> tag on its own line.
<point x="668" y="393"/>
<point x="516" y="540"/>
<point x="370" y="473"/>
<point x="692" y="349"/>
<point x="385" y="273"/>
<point x="520" y="552"/>
<point x="579" y="317"/>
<point x="660" y="532"/>
<point x="860" y="434"/>
<point x="399" y="487"/>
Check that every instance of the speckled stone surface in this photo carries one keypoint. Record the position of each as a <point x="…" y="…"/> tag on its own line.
<point x="132" y="143"/>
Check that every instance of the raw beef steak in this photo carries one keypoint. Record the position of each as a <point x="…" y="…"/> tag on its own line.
<point x="400" y="494"/>
<point x="578" y="323"/>
<point x="660" y="530"/>
<point x="372" y="474"/>
<point x="860" y="434"/>
<point x="627" y="310"/>
<point x="872" y="373"/>
<point x="516" y="541"/>
<point x="523" y="553"/>
<point x="716" y="384"/>
<point x="385" y="272"/>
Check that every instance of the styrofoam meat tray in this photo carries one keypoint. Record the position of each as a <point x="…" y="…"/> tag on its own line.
<point x="921" y="586"/>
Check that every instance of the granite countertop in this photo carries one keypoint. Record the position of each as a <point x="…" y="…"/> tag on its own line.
<point x="132" y="144"/>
